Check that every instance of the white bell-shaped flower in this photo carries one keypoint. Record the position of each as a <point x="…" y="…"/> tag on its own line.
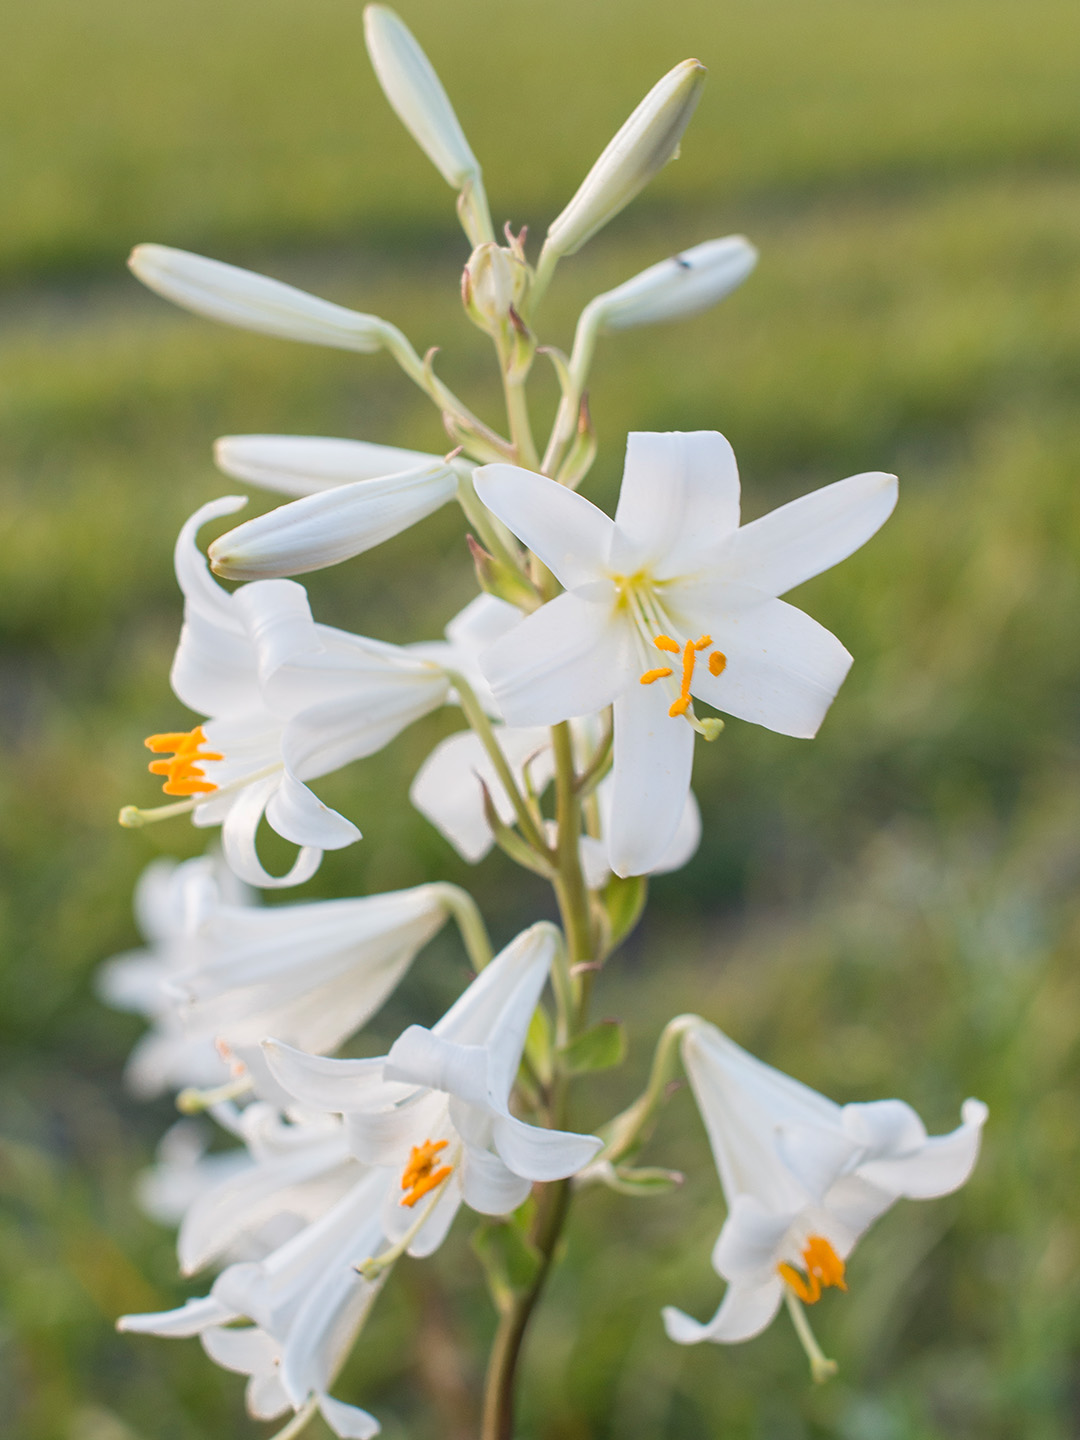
<point x="288" y="701"/>
<point x="669" y="602"/>
<point x="435" y="1110"/>
<point x="803" y="1178"/>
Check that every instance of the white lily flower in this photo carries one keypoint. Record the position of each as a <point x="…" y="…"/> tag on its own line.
<point x="416" y="94"/>
<point x="307" y="1301"/>
<point x="803" y="1178"/>
<point x="324" y="529"/>
<point x="484" y="620"/>
<point x="288" y="701"/>
<point x="435" y="1110"/>
<point x="683" y="285"/>
<point x="254" y="302"/>
<point x="671" y="578"/>
<point x="306" y="464"/>
<point x="644" y="145"/>
<point x="170" y="897"/>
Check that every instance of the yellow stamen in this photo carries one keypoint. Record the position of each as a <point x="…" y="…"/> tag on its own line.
<point x="824" y="1270"/>
<point x="665" y="642"/>
<point x="717" y="662"/>
<point x="420" y="1176"/>
<point x="690" y="652"/>
<point x="661" y="673"/>
<point x="184" y="774"/>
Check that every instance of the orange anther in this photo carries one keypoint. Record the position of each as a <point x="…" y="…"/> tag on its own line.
<point x="184" y="775"/>
<point x="703" y="643"/>
<point x="420" y="1176"/>
<point x="659" y="674"/>
<point x="665" y="642"/>
<point x="824" y="1270"/>
<point x="717" y="662"/>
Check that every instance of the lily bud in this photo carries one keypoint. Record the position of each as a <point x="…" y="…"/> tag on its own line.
<point x="253" y="302"/>
<point x="305" y="464"/>
<point x="331" y="526"/>
<point x="415" y="92"/>
<point x="493" y="285"/>
<point x="682" y="285"/>
<point x="646" y="142"/>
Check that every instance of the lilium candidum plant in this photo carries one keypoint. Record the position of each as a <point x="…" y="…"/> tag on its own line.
<point x="600" y="652"/>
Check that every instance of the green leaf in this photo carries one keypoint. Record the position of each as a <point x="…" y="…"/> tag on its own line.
<point x="511" y="1262"/>
<point x="599" y="1048"/>
<point x="623" y="901"/>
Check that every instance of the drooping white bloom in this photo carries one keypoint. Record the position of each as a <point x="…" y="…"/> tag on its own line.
<point x="802" y="1177"/>
<point x="683" y="285"/>
<point x="306" y="464"/>
<point x="435" y="1110"/>
<point x="288" y="701"/>
<point x="320" y="530"/>
<point x="219" y="977"/>
<point x="254" y="302"/>
<point x="644" y="145"/>
<point x="170" y="898"/>
<point x="416" y="94"/>
<point x="651" y="592"/>
<point x="307" y="1302"/>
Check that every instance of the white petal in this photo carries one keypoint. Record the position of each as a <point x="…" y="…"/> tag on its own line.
<point x="238" y="840"/>
<point x="744" y="1312"/>
<point x="326" y="736"/>
<point x="490" y="1187"/>
<point x="540" y="1154"/>
<point x="265" y="1398"/>
<point x="419" y="1057"/>
<point x="751" y="1242"/>
<point x="276" y="616"/>
<point x="482" y="621"/>
<point x="679" y="497"/>
<point x="783" y="669"/>
<point x="322" y="1084"/>
<point x="246" y="1350"/>
<point x="683" y="285"/>
<point x="334" y="525"/>
<point x="942" y="1165"/>
<point x="414" y="90"/>
<point x="816" y="1154"/>
<point x="571" y="657"/>
<point x="570" y="535"/>
<point x="654" y="753"/>
<point x="448" y="790"/>
<point x="254" y="302"/>
<point x="305" y="464"/>
<point x="189" y="1319"/>
<point x="809" y="535"/>
<point x="300" y="816"/>
<point x="685" y="842"/>
<point x="884" y="1128"/>
<point x="347" y="1421"/>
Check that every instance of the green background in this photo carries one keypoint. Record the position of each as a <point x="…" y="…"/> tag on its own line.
<point x="891" y="910"/>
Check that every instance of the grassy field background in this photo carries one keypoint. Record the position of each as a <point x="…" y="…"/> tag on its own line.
<point x="890" y="910"/>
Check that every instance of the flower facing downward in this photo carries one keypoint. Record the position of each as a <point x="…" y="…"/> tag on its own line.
<point x="670" y="602"/>
<point x="435" y="1110"/>
<point x="803" y="1178"/>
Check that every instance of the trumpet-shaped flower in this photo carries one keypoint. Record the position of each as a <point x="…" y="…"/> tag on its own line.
<point x="435" y="1110"/>
<point x="670" y="602"/>
<point x="803" y="1178"/>
<point x="307" y="1301"/>
<point x="288" y="701"/>
<point x="306" y="464"/>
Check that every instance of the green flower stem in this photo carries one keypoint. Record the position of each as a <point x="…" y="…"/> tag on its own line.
<point x="466" y="915"/>
<point x="481" y="727"/>
<point x="424" y="376"/>
<point x="566" y="418"/>
<point x="626" y="1132"/>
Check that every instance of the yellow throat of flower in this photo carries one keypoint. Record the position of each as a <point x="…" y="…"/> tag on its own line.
<point x="824" y="1270"/>
<point x="421" y="1175"/>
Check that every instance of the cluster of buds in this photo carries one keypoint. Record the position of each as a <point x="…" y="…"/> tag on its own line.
<point x="601" y="649"/>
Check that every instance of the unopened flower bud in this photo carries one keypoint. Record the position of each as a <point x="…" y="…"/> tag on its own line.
<point x="304" y="464"/>
<point x="493" y="285"/>
<point x="331" y="526"/>
<point x="677" y="287"/>
<point x="410" y="83"/>
<point x="646" y="142"/>
<point x="253" y="302"/>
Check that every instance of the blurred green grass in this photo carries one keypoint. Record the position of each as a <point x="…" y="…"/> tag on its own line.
<point x="891" y="910"/>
